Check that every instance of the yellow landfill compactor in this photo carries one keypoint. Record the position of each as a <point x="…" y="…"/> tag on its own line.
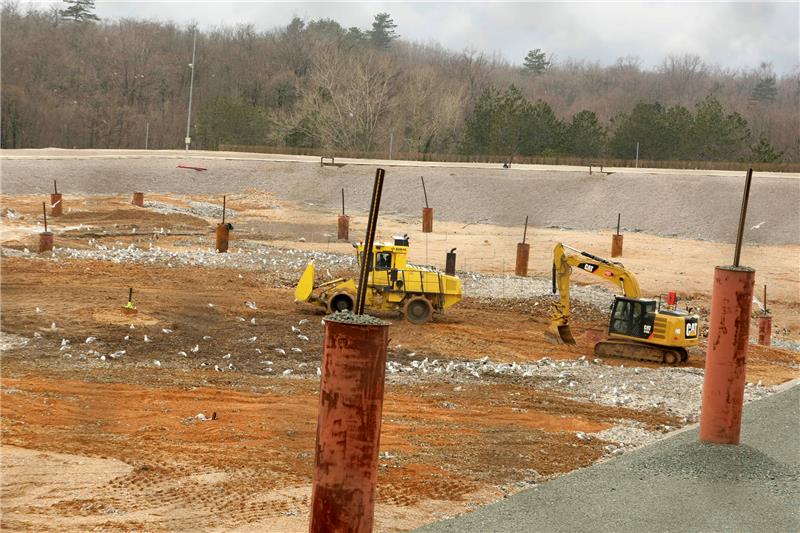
<point x="639" y="328"/>
<point x="392" y="285"/>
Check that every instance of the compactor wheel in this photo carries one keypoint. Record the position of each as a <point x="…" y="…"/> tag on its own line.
<point x="418" y="310"/>
<point x="341" y="301"/>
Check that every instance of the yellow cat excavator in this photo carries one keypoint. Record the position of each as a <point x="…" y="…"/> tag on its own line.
<point x="639" y="328"/>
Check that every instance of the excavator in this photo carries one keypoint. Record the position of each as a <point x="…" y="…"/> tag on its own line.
<point x="639" y="328"/>
<point x="392" y="285"/>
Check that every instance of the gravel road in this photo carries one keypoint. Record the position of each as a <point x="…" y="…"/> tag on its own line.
<point x="684" y="205"/>
<point x="677" y="484"/>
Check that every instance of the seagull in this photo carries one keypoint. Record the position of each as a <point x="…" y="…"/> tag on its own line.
<point x="287" y="371"/>
<point x="146" y="338"/>
<point x="758" y="226"/>
<point x="295" y="329"/>
<point x="304" y="321"/>
<point x="38" y="310"/>
<point x="126" y="338"/>
<point x="166" y="330"/>
<point x="583" y="436"/>
<point x="132" y="326"/>
<point x="217" y="368"/>
<point x="118" y="353"/>
<point x="231" y="367"/>
<point x="183" y="354"/>
<point x="253" y="339"/>
<point x="297" y="350"/>
<point x="64" y="342"/>
<point x="302" y="337"/>
<point x="211" y="305"/>
<point x="226" y="356"/>
<point x="90" y="340"/>
<point x="206" y="337"/>
<point x="251" y="305"/>
<point x="280" y="351"/>
<point x="53" y="325"/>
<point x="157" y="363"/>
<point x="196" y="348"/>
<point x="258" y="350"/>
<point x="253" y="321"/>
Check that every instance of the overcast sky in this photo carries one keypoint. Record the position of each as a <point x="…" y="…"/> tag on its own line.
<point x="723" y="33"/>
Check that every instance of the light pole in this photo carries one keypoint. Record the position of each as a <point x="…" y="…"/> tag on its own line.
<point x="188" y="139"/>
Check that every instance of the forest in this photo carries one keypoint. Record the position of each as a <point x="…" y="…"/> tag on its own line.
<point x="70" y="80"/>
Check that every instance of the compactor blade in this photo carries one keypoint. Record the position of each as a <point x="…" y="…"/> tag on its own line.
<point x="559" y="335"/>
<point x="306" y="284"/>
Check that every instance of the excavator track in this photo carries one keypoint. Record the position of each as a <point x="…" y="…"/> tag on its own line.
<point x="642" y="352"/>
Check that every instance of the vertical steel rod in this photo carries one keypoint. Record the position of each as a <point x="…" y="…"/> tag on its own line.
<point x="44" y="210"/>
<point x="342" y="201"/>
<point x="55" y="186"/>
<point x="372" y="224"/>
<point x="130" y="295"/>
<point x="424" y="191"/>
<point x="619" y="217"/>
<point x="223" y="208"/>
<point x="525" y="231"/>
<point x="765" y="298"/>
<point x="742" y="217"/>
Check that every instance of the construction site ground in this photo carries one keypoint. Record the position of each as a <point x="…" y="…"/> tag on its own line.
<point x="101" y="410"/>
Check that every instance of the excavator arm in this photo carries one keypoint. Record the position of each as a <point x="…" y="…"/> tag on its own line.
<point x="566" y="257"/>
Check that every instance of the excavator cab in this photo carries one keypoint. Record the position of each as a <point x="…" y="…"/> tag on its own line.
<point x="632" y="317"/>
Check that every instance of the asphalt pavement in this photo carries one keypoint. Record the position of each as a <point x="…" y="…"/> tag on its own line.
<point x="676" y="484"/>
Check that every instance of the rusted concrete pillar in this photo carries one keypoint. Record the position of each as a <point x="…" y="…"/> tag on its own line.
<point x="223" y="232"/>
<point x="765" y="330"/>
<point x="349" y="425"/>
<point x="343" y="232"/>
<point x="427" y="219"/>
<point x="616" y="245"/>
<point x="726" y="356"/>
<point x="45" y="241"/>
<point x="56" y="205"/>
<point x="138" y="199"/>
<point x="521" y="265"/>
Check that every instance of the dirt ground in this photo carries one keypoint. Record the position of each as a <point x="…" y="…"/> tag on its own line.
<point x="91" y="439"/>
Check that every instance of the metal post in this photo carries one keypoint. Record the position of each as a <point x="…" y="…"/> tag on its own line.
<point x="619" y="217"/>
<point x="224" y="205"/>
<point x="372" y="223"/>
<point x="425" y="192"/>
<point x="391" y="143"/>
<point x="191" y="87"/>
<point x="55" y="187"/>
<point x="742" y="217"/>
<point x="765" y="299"/>
<point x="525" y="231"/>
<point x="146" y="135"/>
<point x="342" y="201"/>
<point x="44" y="210"/>
<point x="637" y="154"/>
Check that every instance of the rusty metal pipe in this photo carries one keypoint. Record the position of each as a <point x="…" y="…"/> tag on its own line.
<point x="343" y="228"/>
<point x="616" y="245"/>
<point x="765" y="330"/>
<point x="427" y="220"/>
<point x="348" y="427"/>
<point x="56" y="205"/>
<point x="222" y="236"/>
<point x="521" y="264"/>
<point x="726" y="355"/>
<point x="138" y="199"/>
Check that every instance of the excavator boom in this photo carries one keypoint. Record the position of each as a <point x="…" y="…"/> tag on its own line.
<point x="564" y="258"/>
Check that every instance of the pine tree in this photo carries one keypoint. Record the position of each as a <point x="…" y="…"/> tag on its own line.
<point x="79" y="11"/>
<point x="536" y="62"/>
<point x="763" y="152"/>
<point x="765" y="90"/>
<point x="382" y="33"/>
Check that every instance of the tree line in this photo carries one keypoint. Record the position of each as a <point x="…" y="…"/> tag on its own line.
<point x="70" y="81"/>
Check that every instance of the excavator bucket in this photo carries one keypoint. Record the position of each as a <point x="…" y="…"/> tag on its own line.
<point x="556" y="334"/>
<point x="306" y="284"/>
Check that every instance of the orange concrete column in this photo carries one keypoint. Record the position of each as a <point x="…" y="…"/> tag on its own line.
<point x="616" y="245"/>
<point x="223" y="232"/>
<point x="427" y="219"/>
<point x="56" y="205"/>
<point x="726" y="356"/>
<point x="521" y="265"/>
<point x="343" y="232"/>
<point x="765" y="330"/>
<point x="45" y="241"/>
<point x="349" y="425"/>
<point x="138" y="199"/>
